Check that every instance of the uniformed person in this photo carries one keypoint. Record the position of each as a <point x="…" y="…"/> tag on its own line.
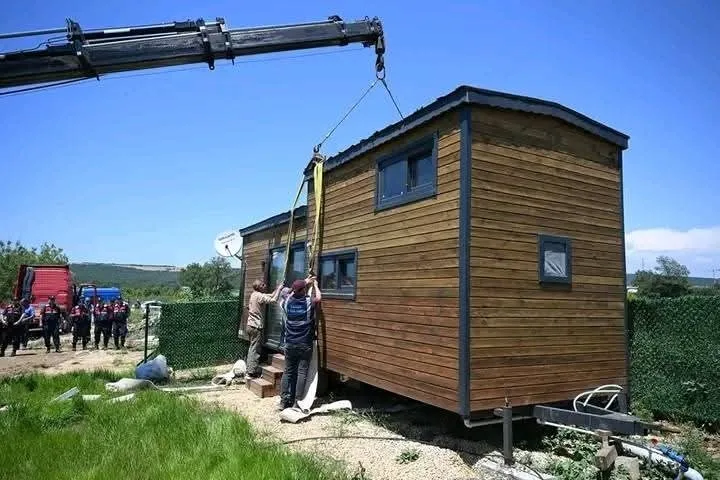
<point x="51" y="315"/>
<point x="10" y="329"/>
<point x="119" y="325"/>
<point x="102" y="324"/>
<point x="80" y="318"/>
<point x="28" y="315"/>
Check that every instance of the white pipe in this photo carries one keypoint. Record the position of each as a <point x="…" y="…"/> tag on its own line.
<point x="658" y="457"/>
<point x="492" y="421"/>
<point x="652" y="454"/>
<point x="609" y="388"/>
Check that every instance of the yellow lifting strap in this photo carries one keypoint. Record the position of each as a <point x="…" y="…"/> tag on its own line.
<point x="318" y="193"/>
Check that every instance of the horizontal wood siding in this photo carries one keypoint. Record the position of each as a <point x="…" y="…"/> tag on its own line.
<point x="401" y="332"/>
<point x="256" y="247"/>
<point x="532" y="344"/>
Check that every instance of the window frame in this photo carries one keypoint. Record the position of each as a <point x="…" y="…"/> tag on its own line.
<point x="336" y="256"/>
<point x="401" y="156"/>
<point x="544" y="239"/>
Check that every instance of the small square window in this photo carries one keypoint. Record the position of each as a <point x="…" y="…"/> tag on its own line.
<point x="408" y="175"/>
<point x="554" y="259"/>
<point x="338" y="274"/>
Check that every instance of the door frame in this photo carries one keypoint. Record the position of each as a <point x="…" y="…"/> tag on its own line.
<point x="283" y="247"/>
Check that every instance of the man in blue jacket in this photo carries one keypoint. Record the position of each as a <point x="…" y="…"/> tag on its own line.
<point x="299" y="309"/>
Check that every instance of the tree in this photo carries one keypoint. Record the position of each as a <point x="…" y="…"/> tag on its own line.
<point x="669" y="279"/>
<point x="219" y="272"/>
<point x="12" y="255"/>
<point x="194" y="277"/>
<point x="213" y="278"/>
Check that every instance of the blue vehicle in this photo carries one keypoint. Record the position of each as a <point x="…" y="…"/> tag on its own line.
<point x="106" y="294"/>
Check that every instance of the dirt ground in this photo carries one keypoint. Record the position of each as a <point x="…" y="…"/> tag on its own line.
<point x="36" y="360"/>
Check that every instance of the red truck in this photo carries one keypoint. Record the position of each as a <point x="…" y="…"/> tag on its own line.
<point x="39" y="282"/>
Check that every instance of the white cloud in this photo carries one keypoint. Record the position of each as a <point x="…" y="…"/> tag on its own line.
<point x="697" y="248"/>
<point x="668" y="240"/>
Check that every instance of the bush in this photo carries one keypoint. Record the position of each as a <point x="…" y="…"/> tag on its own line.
<point x="199" y="334"/>
<point x="675" y="366"/>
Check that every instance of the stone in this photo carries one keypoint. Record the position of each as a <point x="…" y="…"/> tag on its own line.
<point x="605" y="457"/>
<point x="631" y="465"/>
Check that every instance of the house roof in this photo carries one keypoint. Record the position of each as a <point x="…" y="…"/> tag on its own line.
<point x="475" y="96"/>
<point x="279" y="219"/>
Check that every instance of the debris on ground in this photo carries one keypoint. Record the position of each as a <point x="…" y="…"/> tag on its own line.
<point x="155" y="369"/>
<point x="294" y="415"/>
<point x="129" y="385"/>
<point x="235" y="375"/>
<point x="67" y="395"/>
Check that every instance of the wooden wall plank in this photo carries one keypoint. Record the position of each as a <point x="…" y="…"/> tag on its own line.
<point x="532" y="174"/>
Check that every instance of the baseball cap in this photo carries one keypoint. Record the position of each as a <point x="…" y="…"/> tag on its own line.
<point x="298" y="286"/>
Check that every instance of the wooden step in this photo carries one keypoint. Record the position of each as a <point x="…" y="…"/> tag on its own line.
<point x="261" y="387"/>
<point x="278" y="361"/>
<point x="271" y="374"/>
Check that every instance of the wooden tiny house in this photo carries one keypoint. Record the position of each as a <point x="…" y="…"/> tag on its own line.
<point x="474" y="253"/>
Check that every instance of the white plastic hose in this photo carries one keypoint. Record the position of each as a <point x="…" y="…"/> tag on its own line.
<point x="602" y="389"/>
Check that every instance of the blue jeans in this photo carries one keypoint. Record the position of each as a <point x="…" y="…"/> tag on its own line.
<point x="297" y="362"/>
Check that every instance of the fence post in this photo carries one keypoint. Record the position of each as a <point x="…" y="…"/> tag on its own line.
<point x="147" y="325"/>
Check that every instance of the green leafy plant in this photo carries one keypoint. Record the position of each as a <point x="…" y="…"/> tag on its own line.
<point x="408" y="456"/>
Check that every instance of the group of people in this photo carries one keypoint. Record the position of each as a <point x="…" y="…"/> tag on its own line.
<point x="15" y="321"/>
<point x="110" y="319"/>
<point x="299" y="305"/>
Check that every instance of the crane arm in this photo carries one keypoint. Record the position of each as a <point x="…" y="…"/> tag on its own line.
<point x="88" y="54"/>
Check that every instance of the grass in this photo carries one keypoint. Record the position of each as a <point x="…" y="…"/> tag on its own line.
<point x="156" y="436"/>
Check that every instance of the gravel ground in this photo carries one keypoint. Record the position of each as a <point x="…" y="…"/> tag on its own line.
<point x="36" y="360"/>
<point x="373" y="442"/>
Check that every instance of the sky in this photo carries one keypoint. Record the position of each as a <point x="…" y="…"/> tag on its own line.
<point x="149" y="168"/>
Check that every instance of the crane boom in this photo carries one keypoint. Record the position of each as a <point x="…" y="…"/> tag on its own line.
<point x="88" y="54"/>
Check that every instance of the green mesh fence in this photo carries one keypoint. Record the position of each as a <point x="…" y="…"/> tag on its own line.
<point x="200" y="334"/>
<point x="675" y="356"/>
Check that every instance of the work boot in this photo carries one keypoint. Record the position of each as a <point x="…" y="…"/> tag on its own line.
<point x="47" y="350"/>
<point x="14" y="352"/>
<point x="2" y="354"/>
<point x="57" y="349"/>
<point x="74" y="347"/>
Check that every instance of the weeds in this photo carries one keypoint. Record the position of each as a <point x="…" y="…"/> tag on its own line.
<point x="408" y="456"/>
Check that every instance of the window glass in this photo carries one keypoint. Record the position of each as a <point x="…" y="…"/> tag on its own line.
<point x="420" y="170"/>
<point x="393" y="180"/>
<point x="346" y="266"/>
<point x="298" y="264"/>
<point x="327" y="275"/>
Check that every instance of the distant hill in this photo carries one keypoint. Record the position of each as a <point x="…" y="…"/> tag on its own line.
<point x="694" y="281"/>
<point x="125" y="276"/>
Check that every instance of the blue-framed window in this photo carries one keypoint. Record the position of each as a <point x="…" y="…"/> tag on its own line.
<point x="554" y="259"/>
<point x="408" y="175"/>
<point x="338" y="274"/>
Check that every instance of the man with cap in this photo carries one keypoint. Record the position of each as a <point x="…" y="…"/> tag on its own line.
<point x="50" y="319"/>
<point x="255" y="322"/>
<point x="121" y="312"/>
<point x="102" y="324"/>
<point x="80" y="318"/>
<point x="10" y="328"/>
<point x="299" y="331"/>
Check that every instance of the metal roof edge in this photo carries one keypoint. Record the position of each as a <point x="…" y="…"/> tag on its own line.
<point x="476" y="96"/>
<point x="274" y="221"/>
